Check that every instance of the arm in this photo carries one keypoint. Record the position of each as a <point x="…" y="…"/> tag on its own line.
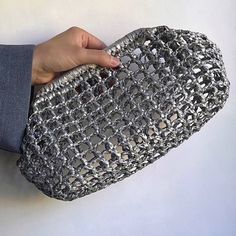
<point x="15" y="93"/>
<point x="22" y="66"/>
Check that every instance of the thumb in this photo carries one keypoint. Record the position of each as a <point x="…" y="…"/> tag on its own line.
<point x="94" y="56"/>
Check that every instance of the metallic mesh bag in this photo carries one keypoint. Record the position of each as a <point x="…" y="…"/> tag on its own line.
<point x="95" y="126"/>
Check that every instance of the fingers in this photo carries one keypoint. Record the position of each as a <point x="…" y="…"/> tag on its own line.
<point x="85" y="39"/>
<point x="99" y="57"/>
<point x="94" y="43"/>
<point x="88" y="49"/>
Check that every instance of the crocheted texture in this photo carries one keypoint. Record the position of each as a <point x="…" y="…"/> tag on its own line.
<point x="95" y="126"/>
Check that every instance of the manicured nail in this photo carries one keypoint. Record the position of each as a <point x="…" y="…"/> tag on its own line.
<point x="115" y="61"/>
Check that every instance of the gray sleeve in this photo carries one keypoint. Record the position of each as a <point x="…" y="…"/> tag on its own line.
<point x="16" y="93"/>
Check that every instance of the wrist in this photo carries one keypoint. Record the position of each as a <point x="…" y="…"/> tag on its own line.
<point x="39" y="75"/>
<point x="35" y="66"/>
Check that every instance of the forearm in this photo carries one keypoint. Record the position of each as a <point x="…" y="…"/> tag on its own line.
<point x="15" y="93"/>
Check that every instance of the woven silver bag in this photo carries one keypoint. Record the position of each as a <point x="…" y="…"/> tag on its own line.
<point x="95" y="126"/>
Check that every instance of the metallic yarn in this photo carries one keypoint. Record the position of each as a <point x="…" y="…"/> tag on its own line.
<point x="95" y="126"/>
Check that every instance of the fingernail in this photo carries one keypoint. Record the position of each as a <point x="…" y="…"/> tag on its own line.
<point x="115" y="61"/>
<point x="104" y="45"/>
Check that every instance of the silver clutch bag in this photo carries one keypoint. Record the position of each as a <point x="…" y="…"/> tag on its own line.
<point x="95" y="126"/>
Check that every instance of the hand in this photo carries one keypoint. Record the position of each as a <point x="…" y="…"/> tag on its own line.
<point x="67" y="50"/>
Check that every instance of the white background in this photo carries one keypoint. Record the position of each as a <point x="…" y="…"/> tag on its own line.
<point x="191" y="191"/>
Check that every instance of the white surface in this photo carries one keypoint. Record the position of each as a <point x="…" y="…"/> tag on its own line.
<point x="191" y="191"/>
